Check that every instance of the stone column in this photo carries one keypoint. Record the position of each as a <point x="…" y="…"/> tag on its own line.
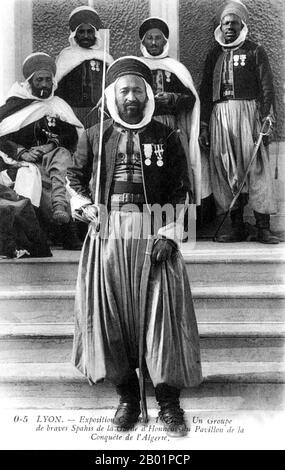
<point x="15" y="40"/>
<point x="7" y="60"/>
<point x="23" y="34"/>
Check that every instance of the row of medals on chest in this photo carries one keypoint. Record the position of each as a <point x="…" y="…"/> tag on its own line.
<point x="149" y="150"/>
<point x="239" y="58"/>
<point x="95" y="65"/>
<point x="157" y="149"/>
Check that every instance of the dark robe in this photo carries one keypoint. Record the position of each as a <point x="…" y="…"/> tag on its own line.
<point x="19" y="227"/>
<point x="36" y="133"/>
<point x="82" y="87"/>
<point x="183" y="98"/>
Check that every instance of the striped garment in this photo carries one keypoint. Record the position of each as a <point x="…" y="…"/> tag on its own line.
<point x="127" y="308"/>
<point x="234" y="128"/>
<point x="128" y="161"/>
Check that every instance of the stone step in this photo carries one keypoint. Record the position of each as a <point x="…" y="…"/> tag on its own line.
<point x="49" y="343"/>
<point x="234" y="263"/>
<point x="205" y="261"/>
<point x="43" y="304"/>
<point x="226" y="385"/>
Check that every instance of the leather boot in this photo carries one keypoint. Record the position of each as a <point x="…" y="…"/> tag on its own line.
<point x="60" y="215"/>
<point x="264" y="235"/>
<point x="70" y="238"/>
<point x="237" y="232"/>
<point x="171" y="415"/>
<point x="128" y="410"/>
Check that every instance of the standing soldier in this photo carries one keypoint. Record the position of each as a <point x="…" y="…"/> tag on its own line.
<point x="176" y="101"/>
<point x="80" y="66"/>
<point x="134" y="308"/>
<point x="237" y="96"/>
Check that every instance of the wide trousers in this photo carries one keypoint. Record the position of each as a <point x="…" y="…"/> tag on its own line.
<point x="126" y="308"/>
<point x="234" y="128"/>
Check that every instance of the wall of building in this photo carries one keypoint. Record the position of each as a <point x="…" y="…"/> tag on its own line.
<point x="266" y="26"/>
<point x="122" y="17"/>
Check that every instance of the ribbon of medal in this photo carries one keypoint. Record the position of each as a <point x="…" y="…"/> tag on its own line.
<point x="147" y="148"/>
<point x="158" y="150"/>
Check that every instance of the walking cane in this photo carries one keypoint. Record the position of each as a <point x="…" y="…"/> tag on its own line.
<point x="96" y="199"/>
<point x="265" y="130"/>
<point x="98" y="175"/>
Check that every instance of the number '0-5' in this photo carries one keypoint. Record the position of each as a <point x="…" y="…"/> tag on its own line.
<point x="21" y="419"/>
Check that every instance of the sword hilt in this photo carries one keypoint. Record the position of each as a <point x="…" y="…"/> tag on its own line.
<point x="267" y="126"/>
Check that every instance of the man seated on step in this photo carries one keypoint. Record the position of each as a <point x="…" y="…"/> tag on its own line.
<point x="20" y="233"/>
<point x="40" y="130"/>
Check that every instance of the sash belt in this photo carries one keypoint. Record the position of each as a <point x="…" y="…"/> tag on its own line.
<point x="127" y="198"/>
<point x="120" y="187"/>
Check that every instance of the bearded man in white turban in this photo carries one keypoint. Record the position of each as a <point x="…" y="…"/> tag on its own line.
<point x="133" y="305"/>
<point x="40" y="131"/>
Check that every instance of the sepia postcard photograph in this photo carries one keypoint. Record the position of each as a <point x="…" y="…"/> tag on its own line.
<point x="142" y="227"/>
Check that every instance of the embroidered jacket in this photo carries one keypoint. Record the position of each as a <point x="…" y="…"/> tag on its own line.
<point x="182" y="97"/>
<point x="82" y="86"/>
<point x="167" y="183"/>
<point x="252" y="78"/>
<point x="30" y="131"/>
<point x="43" y="131"/>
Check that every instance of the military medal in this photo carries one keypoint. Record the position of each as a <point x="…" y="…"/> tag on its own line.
<point x="95" y="65"/>
<point x="51" y="121"/>
<point x="147" y="148"/>
<point x="242" y="60"/>
<point x="158" y="150"/>
<point x="236" y="60"/>
<point x="168" y="76"/>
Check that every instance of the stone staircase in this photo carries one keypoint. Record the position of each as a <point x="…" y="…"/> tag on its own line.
<point x="239" y="298"/>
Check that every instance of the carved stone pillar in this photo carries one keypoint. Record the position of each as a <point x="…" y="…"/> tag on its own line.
<point x="16" y="41"/>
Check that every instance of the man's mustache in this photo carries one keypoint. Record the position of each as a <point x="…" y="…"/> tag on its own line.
<point x="132" y="103"/>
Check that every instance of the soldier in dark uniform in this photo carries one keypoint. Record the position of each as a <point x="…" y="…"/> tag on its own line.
<point x="237" y="95"/>
<point x="177" y="105"/>
<point x="80" y="66"/>
<point x="133" y="307"/>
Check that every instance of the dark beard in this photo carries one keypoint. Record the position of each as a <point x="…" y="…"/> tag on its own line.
<point x="132" y="115"/>
<point x="89" y="43"/>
